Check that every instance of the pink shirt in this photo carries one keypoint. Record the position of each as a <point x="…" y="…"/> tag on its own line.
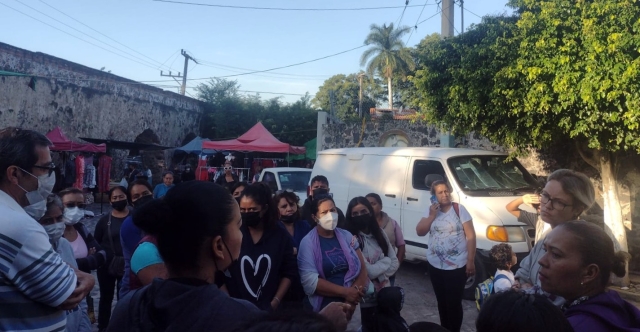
<point x="79" y="248"/>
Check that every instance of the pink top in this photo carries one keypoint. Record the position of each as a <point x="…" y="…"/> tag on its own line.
<point x="79" y="248"/>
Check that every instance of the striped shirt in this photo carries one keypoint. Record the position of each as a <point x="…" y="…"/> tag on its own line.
<point x="33" y="278"/>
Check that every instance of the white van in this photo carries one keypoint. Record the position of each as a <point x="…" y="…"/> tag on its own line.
<point x="293" y="179"/>
<point x="483" y="181"/>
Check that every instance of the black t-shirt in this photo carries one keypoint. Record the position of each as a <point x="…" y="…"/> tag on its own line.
<point x="261" y="266"/>
<point x="222" y="180"/>
<point x="102" y="231"/>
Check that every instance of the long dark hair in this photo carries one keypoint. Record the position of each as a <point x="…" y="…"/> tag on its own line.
<point x="261" y="194"/>
<point x="374" y="228"/>
<point x="184" y="220"/>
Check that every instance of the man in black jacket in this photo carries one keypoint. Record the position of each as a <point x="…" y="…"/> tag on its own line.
<point x="319" y="189"/>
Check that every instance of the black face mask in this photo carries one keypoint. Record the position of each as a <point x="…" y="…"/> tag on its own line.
<point x="251" y="219"/>
<point x="362" y="221"/>
<point x="319" y="192"/>
<point x="288" y="219"/>
<point x="234" y="262"/>
<point x="119" y="205"/>
<point x="142" y="201"/>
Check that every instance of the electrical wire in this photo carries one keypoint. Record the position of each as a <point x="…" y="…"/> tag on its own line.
<point x="403" y="10"/>
<point x="266" y="70"/>
<point x="96" y="39"/>
<point x="74" y="36"/>
<point x="216" y="65"/>
<point x="279" y="8"/>
<point x="61" y="12"/>
<point x="416" y="25"/>
<point x="465" y="8"/>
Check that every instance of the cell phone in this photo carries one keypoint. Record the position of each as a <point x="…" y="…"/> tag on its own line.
<point x="434" y="200"/>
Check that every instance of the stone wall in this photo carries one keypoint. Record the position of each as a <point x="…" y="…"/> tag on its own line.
<point x="86" y="102"/>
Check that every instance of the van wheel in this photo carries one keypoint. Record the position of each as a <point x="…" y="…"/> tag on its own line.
<point x="473" y="281"/>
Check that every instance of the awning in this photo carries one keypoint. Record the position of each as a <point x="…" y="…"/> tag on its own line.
<point x="257" y="139"/>
<point x="122" y="145"/>
<point x="62" y="143"/>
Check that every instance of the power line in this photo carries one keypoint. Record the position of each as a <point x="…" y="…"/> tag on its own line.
<point x="279" y="8"/>
<point x="403" y="10"/>
<point x="84" y="40"/>
<point x="274" y="93"/>
<point x="217" y="65"/>
<point x="472" y="13"/>
<point x="59" y="11"/>
<point x="268" y="70"/>
<point x="416" y="25"/>
<point x="267" y="76"/>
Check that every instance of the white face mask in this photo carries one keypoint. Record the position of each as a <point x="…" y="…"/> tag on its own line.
<point x="55" y="232"/>
<point x="329" y="221"/>
<point x="38" y="198"/>
<point x="73" y="215"/>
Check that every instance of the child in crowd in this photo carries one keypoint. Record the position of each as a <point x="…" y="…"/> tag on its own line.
<point x="504" y="258"/>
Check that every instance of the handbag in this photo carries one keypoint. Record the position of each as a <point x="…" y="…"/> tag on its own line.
<point x="116" y="267"/>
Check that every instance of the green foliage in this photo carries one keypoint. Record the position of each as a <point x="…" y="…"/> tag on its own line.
<point x="579" y="66"/>
<point x="346" y="92"/>
<point x="560" y="68"/>
<point x="229" y="115"/>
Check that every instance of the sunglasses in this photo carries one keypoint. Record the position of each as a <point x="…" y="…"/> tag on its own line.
<point x="226" y="168"/>
<point x="50" y="167"/>
<point x="74" y="204"/>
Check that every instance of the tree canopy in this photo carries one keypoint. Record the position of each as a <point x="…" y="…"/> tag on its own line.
<point x="229" y="114"/>
<point x="346" y="90"/>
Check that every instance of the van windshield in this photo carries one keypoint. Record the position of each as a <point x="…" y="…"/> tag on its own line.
<point x="295" y="181"/>
<point x="484" y="173"/>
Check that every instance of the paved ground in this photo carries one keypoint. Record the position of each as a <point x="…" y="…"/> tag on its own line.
<point x="420" y="303"/>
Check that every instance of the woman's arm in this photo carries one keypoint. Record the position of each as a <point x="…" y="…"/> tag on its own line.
<point x="470" y="235"/>
<point x="514" y="207"/>
<point x="424" y="226"/>
<point x="363" y="279"/>
<point x="395" y="263"/>
<point x="147" y="274"/>
<point x="92" y="261"/>
<point x="285" y="283"/>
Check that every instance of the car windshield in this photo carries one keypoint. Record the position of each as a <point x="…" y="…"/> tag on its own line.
<point x="477" y="173"/>
<point x="294" y="181"/>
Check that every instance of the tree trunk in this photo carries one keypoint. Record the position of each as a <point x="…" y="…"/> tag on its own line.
<point x="390" y="93"/>
<point x="613" y="223"/>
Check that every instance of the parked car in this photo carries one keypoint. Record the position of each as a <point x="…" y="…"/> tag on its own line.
<point x="483" y="181"/>
<point x="293" y="179"/>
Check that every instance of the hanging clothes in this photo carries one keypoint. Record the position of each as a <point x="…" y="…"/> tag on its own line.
<point x="104" y="173"/>
<point x="80" y="167"/>
<point x="89" y="176"/>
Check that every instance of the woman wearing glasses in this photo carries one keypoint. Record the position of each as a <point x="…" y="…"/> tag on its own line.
<point x="228" y="179"/>
<point x="87" y="251"/>
<point x="565" y="197"/>
<point x="380" y="258"/>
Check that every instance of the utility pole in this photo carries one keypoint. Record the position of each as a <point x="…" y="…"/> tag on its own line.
<point x="183" y="86"/>
<point x="461" y="16"/>
<point x="446" y="26"/>
<point x="360" y="111"/>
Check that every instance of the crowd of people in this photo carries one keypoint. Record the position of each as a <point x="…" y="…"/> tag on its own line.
<point x="234" y="256"/>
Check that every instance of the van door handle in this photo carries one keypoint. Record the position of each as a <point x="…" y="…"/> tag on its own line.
<point x="412" y="199"/>
<point x="390" y="195"/>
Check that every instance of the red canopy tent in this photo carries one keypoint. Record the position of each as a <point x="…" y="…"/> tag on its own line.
<point x="257" y="139"/>
<point x="62" y="143"/>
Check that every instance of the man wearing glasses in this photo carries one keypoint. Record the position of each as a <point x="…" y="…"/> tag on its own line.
<point x="36" y="285"/>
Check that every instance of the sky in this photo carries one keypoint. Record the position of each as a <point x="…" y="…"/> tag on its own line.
<point x="136" y="39"/>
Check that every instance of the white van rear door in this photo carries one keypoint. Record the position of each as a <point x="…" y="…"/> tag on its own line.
<point x="416" y="201"/>
<point x="383" y="175"/>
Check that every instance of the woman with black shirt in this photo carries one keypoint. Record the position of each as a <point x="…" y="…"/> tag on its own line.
<point x="266" y="265"/>
<point x="228" y="179"/>
<point x="107" y="234"/>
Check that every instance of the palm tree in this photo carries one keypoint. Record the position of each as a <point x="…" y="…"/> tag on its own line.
<point x="388" y="54"/>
